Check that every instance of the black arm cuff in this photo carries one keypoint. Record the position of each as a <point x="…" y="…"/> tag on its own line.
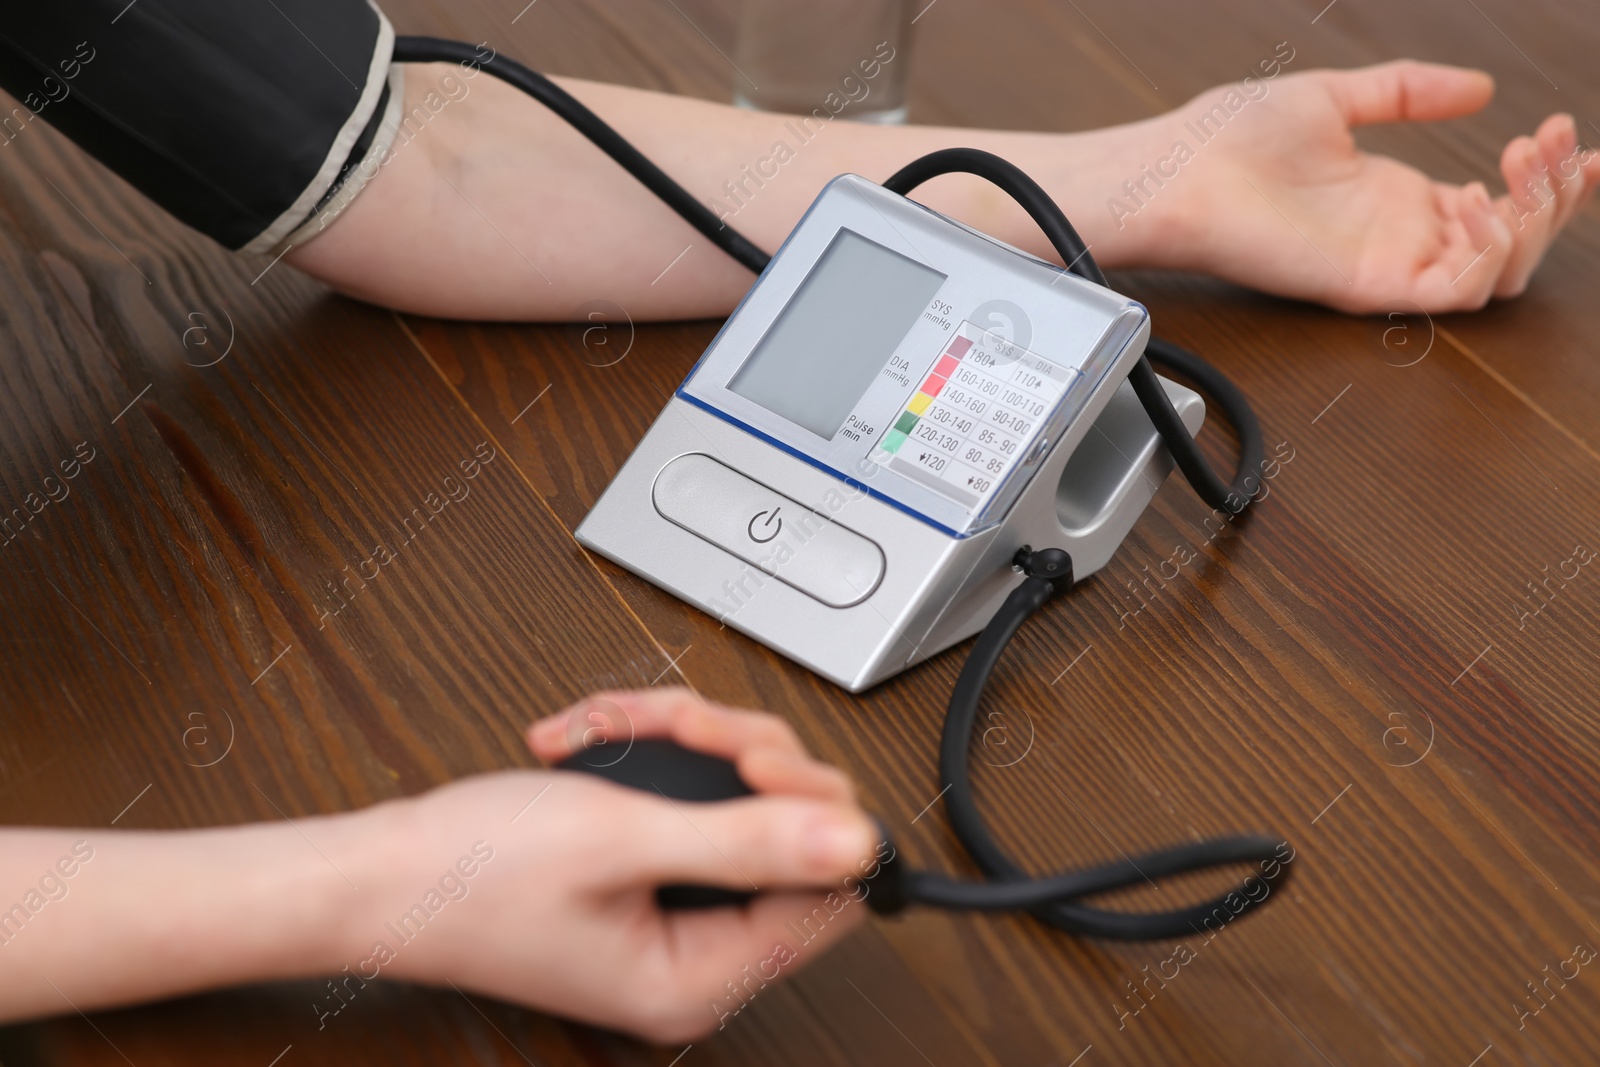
<point x="239" y="118"/>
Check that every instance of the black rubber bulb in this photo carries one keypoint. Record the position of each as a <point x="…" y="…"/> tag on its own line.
<point x="677" y="773"/>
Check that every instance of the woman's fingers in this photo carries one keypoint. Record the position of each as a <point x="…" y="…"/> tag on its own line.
<point x="777" y="770"/>
<point x="679" y="714"/>
<point x="1479" y="244"/>
<point x="1557" y="139"/>
<point x="1407" y="90"/>
<point x="754" y="843"/>
<point x="766" y="750"/>
<point x="1548" y="178"/>
<point x="1527" y="212"/>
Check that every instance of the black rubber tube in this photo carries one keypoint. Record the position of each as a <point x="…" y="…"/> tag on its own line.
<point x="592" y="126"/>
<point x="1051" y="899"/>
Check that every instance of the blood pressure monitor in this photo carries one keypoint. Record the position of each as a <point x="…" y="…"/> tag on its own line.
<point x="905" y="434"/>
<point x="898" y="405"/>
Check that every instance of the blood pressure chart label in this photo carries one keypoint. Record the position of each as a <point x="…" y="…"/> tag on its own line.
<point x="974" y="417"/>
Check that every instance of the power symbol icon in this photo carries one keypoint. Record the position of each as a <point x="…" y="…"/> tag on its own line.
<point x="771" y="525"/>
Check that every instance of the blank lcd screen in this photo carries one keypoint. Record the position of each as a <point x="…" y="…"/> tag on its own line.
<point x="836" y="333"/>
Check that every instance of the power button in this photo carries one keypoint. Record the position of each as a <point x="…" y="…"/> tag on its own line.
<point x="764" y="525"/>
<point x="784" y="538"/>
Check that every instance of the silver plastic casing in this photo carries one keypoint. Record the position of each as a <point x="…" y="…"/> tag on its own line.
<point x="845" y="571"/>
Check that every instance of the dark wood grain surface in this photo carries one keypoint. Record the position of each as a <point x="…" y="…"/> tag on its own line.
<point x="1350" y="665"/>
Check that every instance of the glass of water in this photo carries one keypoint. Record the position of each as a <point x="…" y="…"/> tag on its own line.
<point x="826" y="58"/>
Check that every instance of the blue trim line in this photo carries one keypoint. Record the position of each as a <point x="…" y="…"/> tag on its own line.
<point x="809" y="461"/>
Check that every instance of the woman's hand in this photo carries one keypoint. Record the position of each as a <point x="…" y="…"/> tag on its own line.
<point x="534" y="886"/>
<point x="562" y="915"/>
<point x="1281" y="199"/>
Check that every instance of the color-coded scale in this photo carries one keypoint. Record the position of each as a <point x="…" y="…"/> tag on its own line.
<point x="938" y="378"/>
<point x="974" y="417"/>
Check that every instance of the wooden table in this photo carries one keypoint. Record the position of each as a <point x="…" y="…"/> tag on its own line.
<point x="1349" y="666"/>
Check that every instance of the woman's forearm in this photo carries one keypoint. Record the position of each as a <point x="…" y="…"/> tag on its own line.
<point x="491" y="207"/>
<point x="97" y="918"/>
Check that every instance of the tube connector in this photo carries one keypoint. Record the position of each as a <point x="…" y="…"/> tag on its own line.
<point x="1053" y="565"/>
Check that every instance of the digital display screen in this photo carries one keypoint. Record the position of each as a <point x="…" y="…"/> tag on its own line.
<point x="836" y="333"/>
